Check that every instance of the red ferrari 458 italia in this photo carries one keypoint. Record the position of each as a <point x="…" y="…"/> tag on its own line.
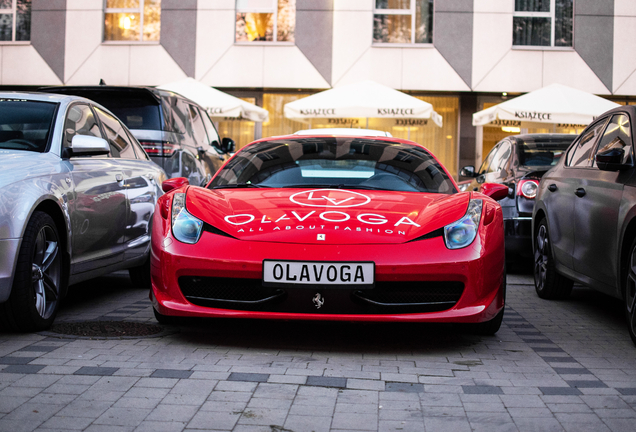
<point x="329" y="227"/>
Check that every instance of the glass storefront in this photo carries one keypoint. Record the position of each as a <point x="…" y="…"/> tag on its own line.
<point x="442" y="142"/>
<point x="241" y="131"/>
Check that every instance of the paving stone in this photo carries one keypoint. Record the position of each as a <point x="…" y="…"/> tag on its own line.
<point x="560" y="391"/>
<point x="171" y="373"/>
<point x="38" y="348"/>
<point x="213" y="420"/>
<point x="96" y="371"/>
<point x="354" y="421"/>
<point x="326" y="381"/>
<point x="23" y="369"/>
<point x="586" y="384"/>
<point x="300" y="423"/>
<point x="631" y="391"/>
<point x="482" y="389"/>
<point x="249" y="377"/>
<point x="571" y="371"/>
<point x="404" y="387"/>
<point x="16" y="360"/>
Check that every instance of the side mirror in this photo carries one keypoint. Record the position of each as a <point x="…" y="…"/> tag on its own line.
<point x="227" y="145"/>
<point x="200" y="151"/>
<point x="611" y="160"/>
<point x="468" y="171"/>
<point x="495" y="191"/>
<point x="86" y="145"/>
<point x="174" y="183"/>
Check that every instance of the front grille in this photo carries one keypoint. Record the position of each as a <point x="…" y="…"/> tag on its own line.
<point x="392" y="293"/>
<point x="384" y="298"/>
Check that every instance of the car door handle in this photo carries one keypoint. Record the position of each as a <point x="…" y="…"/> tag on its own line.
<point x="580" y="192"/>
<point x="552" y="187"/>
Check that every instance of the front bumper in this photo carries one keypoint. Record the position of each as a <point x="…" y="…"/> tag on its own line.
<point x="479" y="268"/>
<point x="8" y="257"/>
<point x="518" y="232"/>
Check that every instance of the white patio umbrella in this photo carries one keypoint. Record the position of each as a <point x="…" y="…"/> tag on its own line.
<point x="554" y="104"/>
<point x="364" y="99"/>
<point x="218" y="104"/>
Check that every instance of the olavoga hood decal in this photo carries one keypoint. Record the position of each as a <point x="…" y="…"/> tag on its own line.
<point x="325" y="216"/>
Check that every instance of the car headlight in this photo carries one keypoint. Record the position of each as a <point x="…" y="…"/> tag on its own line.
<point x="185" y="227"/>
<point x="461" y="233"/>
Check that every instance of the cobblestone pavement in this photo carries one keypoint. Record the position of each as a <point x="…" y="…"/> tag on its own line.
<point x="553" y="366"/>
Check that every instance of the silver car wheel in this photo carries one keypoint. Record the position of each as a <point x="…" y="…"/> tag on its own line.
<point x="45" y="273"/>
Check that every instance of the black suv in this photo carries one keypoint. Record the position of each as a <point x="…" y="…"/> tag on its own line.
<point x="176" y="133"/>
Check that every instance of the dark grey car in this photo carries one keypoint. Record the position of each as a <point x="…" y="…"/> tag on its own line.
<point x="176" y="133"/>
<point x="77" y="196"/>
<point x="584" y="221"/>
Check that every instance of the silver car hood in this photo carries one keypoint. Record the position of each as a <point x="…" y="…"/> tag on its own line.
<point x="17" y="165"/>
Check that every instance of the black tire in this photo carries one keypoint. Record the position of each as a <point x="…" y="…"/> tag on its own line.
<point x="629" y="292"/>
<point x="548" y="283"/>
<point x="140" y="275"/>
<point x="39" y="278"/>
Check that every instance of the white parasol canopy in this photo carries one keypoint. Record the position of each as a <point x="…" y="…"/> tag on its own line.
<point x="364" y="99"/>
<point x="218" y="104"/>
<point x="555" y="104"/>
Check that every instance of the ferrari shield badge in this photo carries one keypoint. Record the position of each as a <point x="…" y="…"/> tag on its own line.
<point x="318" y="300"/>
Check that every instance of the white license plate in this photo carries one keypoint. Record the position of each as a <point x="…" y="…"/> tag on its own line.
<point x="357" y="274"/>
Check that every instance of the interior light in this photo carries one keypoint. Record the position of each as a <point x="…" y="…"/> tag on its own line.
<point x="504" y="94"/>
<point x="125" y="22"/>
<point x="449" y="137"/>
<point x="511" y="129"/>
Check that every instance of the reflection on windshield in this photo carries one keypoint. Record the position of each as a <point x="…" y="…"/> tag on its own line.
<point x="25" y="125"/>
<point x="542" y="154"/>
<point x="335" y="163"/>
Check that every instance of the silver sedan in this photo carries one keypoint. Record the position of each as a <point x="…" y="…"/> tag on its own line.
<point x="77" y="195"/>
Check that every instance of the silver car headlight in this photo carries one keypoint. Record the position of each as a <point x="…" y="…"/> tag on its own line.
<point x="461" y="233"/>
<point x="185" y="227"/>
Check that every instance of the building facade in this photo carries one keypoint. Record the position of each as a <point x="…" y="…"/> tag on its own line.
<point x="459" y="55"/>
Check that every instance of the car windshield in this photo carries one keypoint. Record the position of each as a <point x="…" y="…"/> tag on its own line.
<point x="25" y="125"/>
<point x="542" y="153"/>
<point x="332" y="162"/>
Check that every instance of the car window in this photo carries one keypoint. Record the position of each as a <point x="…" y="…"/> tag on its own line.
<point x="485" y="166"/>
<point x="120" y="145"/>
<point x="500" y="160"/>
<point x="581" y="151"/>
<point x="617" y="135"/>
<point x="139" y="151"/>
<point x="25" y="124"/>
<point x="213" y="135"/>
<point x="198" y="130"/>
<point x="80" y="120"/>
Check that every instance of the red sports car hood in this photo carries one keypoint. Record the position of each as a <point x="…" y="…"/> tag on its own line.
<point x="325" y="216"/>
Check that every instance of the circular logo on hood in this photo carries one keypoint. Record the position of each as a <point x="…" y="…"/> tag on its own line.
<point x="337" y="198"/>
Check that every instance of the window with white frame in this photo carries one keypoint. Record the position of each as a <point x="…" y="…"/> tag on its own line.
<point x="132" y="20"/>
<point x="403" y="21"/>
<point x="542" y="23"/>
<point x="265" y="20"/>
<point x="15" y="20"/>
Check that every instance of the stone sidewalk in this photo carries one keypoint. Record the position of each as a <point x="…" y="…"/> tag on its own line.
<point x="553" y="366"/>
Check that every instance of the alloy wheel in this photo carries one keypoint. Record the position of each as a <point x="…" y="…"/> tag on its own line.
<point x="45" y="272"/>
<point x="541" y="258"/>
